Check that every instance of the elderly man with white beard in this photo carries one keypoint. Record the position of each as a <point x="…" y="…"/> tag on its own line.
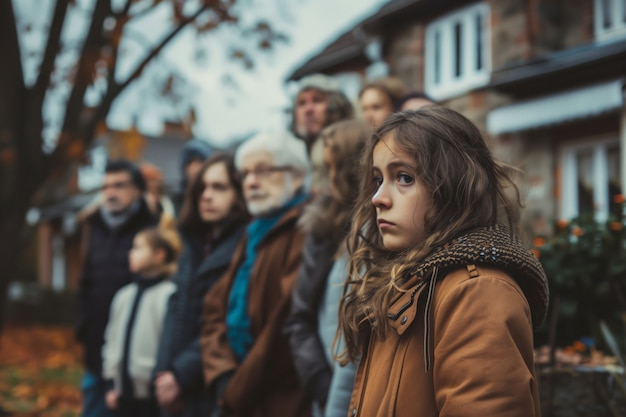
<point x="246" y="357"/>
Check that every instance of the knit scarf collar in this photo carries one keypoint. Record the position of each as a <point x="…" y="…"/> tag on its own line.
<point x="498" y="247"/>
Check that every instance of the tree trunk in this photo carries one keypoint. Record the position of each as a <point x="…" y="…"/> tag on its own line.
<point x="11" y="230"/>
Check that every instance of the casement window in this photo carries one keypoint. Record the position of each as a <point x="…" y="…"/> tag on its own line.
<point x="457" y="52"/>
<point x="590" y="179"/>
<point x="610" y="18"/>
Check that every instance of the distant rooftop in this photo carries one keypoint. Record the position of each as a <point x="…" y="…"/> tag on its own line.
<point x="349" y="47"/>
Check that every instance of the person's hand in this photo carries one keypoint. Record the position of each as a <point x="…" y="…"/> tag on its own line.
<point x="167" y="389"/>
<point x="178" y="406"/>
<point x="111" y="399"/>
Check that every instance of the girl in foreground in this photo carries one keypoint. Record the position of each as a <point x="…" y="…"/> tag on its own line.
<point x="442" y="316"/>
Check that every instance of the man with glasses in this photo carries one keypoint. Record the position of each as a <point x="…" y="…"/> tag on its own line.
<point x="108" y="235"/>
<point x="245" y="354"/>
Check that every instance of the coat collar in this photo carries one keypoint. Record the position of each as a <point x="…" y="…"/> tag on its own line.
<point x="494" y="247"/>
<point x="222" y="254"/>
<point x="286" y="221"/>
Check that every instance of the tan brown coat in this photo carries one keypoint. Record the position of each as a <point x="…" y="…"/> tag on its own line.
<point x="480" y="352"/>
<point x="265" y="384"/>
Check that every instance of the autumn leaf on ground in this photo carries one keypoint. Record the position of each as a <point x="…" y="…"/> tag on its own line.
<point x="40" y="371"/>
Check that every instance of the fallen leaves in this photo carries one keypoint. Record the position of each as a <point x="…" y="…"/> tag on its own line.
<point x="40" y="371"/>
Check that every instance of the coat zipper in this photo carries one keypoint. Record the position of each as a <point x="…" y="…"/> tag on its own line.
<point x="427" y="315"/>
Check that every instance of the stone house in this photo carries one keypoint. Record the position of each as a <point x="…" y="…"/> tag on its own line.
<point x="543" y="79"/>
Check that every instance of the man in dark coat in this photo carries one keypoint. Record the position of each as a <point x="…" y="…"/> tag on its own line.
<point x="108" y="235"/>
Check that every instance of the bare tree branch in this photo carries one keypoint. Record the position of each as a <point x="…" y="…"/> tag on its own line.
<point x="85" y="131"/>
<point x="127" y="7"/>
<point x="158" y="49"/>
<point x="52" y="47"/>
<point x="114" y="90"/>
<point x="85" y="67"/>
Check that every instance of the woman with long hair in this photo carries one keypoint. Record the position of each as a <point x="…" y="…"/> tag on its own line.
<point x="442" y="296"/>
<point x="379" y="98"/>
<point x="313" y="321"/>
<point x="212" y="222"/>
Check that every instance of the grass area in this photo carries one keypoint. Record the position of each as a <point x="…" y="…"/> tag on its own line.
<point x="40" y="372"/>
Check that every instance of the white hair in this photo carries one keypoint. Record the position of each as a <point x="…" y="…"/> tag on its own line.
<point x="285" y="148"/>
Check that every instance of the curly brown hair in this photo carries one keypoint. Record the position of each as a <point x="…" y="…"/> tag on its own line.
<point x="469" y="189"/>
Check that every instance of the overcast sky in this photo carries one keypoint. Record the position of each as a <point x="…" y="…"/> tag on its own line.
<point x="224" y="112"/>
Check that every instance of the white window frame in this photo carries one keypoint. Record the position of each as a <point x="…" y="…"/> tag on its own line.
<point x="569" y="178"/>
<point x="617" y="14"/>
<point x="449" y="84"/>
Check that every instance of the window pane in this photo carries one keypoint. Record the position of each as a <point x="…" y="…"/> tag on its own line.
<point x="624" y="11"/>
<point x="606" y="13"/>
<point x="584" y="168"/>
<point x="615" y="180"/>
<point x="479" y="41"/>
<point x="457" y="50"/>
<point x="437" y="64"/>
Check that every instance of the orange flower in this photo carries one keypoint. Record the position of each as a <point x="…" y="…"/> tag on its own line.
<point x="619" y="198"/>
<point x="562" y="224"/>
<point x="539" y="241"/>
<point x="615" y="226"/>
<point x="577" y="231"/>
<point x="535" y="252"/>
<point x="579" y="346"/>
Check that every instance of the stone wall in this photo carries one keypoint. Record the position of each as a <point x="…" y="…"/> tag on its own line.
<point x="404" y="53"/>
<point x="560" y="24"/>
<point x="510" y="41"/>
<point x="522" y="30"/>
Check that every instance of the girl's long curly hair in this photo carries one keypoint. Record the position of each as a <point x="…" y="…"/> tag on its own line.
<point x="469" y="190"/>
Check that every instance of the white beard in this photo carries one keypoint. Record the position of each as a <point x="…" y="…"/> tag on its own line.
<point x="268" y="204"/>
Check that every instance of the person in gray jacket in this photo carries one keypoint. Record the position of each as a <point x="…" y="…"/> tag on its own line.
<point x="313" y="322"/>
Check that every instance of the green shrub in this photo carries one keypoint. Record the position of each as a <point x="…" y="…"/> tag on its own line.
<point x="585" y="262"/>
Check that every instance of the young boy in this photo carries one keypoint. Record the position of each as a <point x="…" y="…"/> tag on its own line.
<point x="135" y="321"/>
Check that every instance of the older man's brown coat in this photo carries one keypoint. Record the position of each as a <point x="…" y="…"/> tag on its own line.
<point x="265" y="384"/>
<point x="480" y="351"/>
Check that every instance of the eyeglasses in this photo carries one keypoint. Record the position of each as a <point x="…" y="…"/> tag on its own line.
<point x="119" y="185"/>
<point x="262" y="172"/>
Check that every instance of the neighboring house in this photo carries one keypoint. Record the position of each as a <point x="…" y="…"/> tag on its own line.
<point x="543" y="78"/>
<point x="58" y="225"/>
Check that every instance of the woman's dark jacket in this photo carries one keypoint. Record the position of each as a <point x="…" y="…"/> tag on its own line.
<point x="302" y="326"/>
<point x="179" y="349"/>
